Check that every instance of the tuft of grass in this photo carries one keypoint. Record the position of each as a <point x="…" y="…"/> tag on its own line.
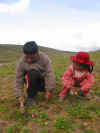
<point x="8" y="69"/>
<point x="79" y="111"/>
<point x="89" y="131"/>
<point x="14" y="129"/>
<point x="44" y="115"/>
<point x="63" y="123"/>
<point x="95" y="108"/>
<point x="10" y="130"/>
<point x="43" y="131"/>
<point x="3" y="108"/>
<point x="25" y="130"/>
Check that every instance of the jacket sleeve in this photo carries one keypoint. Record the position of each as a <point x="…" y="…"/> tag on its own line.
<point x="50" y="82"/>
<point x="19" y="80"/>
<point x="87" y="83"/>
<point x="67" y="78"/>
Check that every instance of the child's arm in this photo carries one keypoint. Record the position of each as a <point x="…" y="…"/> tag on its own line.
<point x="67" y="77"/>
<point x="87" y="83"/>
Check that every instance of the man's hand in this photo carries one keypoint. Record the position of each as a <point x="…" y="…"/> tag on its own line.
<point x="21" y="101"/>
<point x="48" y="95"/>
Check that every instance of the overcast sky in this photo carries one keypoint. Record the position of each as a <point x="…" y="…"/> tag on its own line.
<point x="62" y="24"/>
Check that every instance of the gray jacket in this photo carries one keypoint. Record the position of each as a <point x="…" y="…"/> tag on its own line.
<point x="41" y="63"/>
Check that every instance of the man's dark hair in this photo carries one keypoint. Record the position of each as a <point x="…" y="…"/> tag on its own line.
<point x="30" y="47"/>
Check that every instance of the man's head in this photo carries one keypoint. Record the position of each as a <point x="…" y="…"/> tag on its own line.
<point x="30" y="50"/>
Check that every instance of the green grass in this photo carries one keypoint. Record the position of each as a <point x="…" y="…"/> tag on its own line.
<point x="17" y="129"/>
<point x="79" y="111"/>
<point x="13" y="129"/>
<point x="44" y="115"/>
<point x="53" y="117"/>
<point x="63" y="123"/>
<point x="89" y="131"/>
<point x="43" y="131"/>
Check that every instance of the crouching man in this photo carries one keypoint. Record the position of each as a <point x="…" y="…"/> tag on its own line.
<point x="34" y="67"/>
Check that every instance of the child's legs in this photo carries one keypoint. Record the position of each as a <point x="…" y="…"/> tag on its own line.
<point x="64" y="92"/>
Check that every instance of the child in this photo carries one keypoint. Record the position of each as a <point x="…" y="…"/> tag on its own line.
<point x="79" y="74"/>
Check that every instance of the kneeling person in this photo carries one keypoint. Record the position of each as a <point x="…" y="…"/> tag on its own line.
<point x="35" y="68"/>
<point x="79" y="74"/>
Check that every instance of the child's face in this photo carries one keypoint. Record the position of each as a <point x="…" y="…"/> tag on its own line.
<point x="78" y="66"/>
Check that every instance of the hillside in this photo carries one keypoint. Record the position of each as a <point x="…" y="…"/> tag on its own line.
<point x="13" y="52"/>
<point x="74" y="115"/>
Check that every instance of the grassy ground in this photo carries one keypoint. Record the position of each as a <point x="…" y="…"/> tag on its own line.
<point x="74" y="115"/>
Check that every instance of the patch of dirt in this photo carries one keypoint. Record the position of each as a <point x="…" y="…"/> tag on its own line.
<point x="94" y="99"/>
<point x="36" y="128"/>
<point x="77" y="131"/>
<point x="1" y="65"/>
<point x="1" y="130"/>
<point x="54" y="109"/>
<point x="3" y="125"/>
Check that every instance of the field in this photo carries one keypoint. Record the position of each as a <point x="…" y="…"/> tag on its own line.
<point x="74" y="115"/>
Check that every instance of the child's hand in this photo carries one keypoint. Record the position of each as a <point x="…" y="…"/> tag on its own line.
<point x="80" y="93"/>
<point x="71" y="92"/>
<point x="74" y="91"/>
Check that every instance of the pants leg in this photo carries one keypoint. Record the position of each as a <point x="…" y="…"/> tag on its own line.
<point x="86" y="92"/>
<point x="35" y="83"/>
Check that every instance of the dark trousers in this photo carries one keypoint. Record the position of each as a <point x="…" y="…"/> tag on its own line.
<point x="35" y="83"/>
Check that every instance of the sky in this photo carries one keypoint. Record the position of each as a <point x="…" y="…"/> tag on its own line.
<point x="70" y="25"/>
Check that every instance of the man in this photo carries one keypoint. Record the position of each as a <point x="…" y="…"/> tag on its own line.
<point x="36" y="67"/>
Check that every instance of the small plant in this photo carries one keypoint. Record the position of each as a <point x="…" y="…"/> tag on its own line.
<point x="43" y="131"/>
<point x="9" y="130"/>
<point x="44" y="115"/>
<point x="79" y="111"/>
<point x="3" y="109"/>
<point x="21" y="118"/>
<point x="43" y="123"/>
<point x="14" y="129"/>
<point x="92" y="107"/>
<point x="95" y="108"/>
<point x="63" y="123"/>
<point x="25" y="130"/>
<point x="89" y="131"/>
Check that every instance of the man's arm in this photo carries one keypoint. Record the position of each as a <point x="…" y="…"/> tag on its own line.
<point x="50" y="82"/>
<point x="19" y="80"/>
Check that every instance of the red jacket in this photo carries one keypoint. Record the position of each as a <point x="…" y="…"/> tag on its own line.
<point x="83" y="78"/>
